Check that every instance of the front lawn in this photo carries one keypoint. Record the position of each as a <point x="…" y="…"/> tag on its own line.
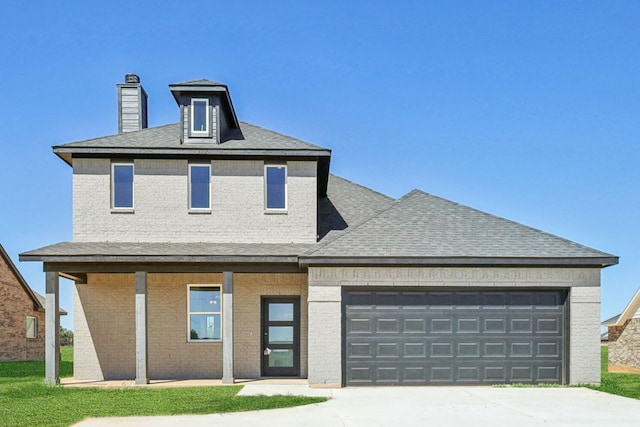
<point x="26" y="401"/>
<point x="627" y="385"/>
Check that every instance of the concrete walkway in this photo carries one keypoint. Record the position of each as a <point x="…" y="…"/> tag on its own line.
<point x="415" y="406"/>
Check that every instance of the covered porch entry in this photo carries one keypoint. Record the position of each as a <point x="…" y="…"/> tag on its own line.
<point x="153" y="317"/>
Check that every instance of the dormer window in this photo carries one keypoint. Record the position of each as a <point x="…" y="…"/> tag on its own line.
<point x="199" y="117"/>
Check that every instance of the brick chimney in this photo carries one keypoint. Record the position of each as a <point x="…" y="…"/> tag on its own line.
<point x="132" y="105"/>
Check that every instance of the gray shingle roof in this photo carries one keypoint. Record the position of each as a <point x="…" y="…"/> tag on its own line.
<point x="165" y="252"/>
<point x="421" y="226"/>
<point x="346" y="204"/>
<point x="168" y="137"/>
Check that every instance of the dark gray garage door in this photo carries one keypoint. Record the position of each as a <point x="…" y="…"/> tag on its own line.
<point x="462" y="337"/>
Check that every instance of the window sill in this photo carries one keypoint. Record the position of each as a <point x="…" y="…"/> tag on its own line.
<point x="199" y="211"/>
<point x="204" y="341"/>
<point x="122" y="210"/>
<point x="276" y="212"/>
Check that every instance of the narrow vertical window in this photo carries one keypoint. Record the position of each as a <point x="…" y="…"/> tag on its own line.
<point x="122" y="186"/>
<point x="32" y="327"/>
<point x="200" y="116"/>
<point x="275" y="186"/>
<point x="204" y="313"/>
<point x="199" y="187"/>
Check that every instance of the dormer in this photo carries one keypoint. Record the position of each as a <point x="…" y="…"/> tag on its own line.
<point x="206" y="112"/>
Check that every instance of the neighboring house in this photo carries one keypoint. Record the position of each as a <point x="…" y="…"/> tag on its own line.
<point x="21" y="315"/>
<point x="623" y="334"/>
<point x="214" y="248"/>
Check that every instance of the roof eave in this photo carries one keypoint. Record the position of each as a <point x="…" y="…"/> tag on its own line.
<point x="66" y="153"/>
<point x="596" y="262"/>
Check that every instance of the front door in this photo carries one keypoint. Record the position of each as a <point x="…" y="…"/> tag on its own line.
<point x="281" y="336"/>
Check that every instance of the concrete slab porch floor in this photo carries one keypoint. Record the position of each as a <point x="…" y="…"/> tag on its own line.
<point x="415" y="406"/>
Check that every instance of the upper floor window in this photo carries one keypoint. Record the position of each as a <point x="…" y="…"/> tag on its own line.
<point x="122" y="185"/>
<point x="32" y="327"/>
<point x="275" y="187"/>
<point x="199" y="116"/>
<point x="199" y="187"/>
<point x="204" y="313"/>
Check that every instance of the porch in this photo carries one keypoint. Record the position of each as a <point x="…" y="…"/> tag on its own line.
<point x="134" y="322"/>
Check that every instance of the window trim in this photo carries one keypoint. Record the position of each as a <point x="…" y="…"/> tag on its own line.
<point x="286" y="189"/>
<point x="113" y="187"/>
<point x="35" y="327"/>
<point x="189" y="312"/>
<point x="189" y="201"/>
<point x="192" y="116"/>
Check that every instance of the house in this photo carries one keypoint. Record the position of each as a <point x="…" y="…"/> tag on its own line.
<point x="214" y="248"/>
<point x="623" y="335"/>
<point x="21" y="315"/>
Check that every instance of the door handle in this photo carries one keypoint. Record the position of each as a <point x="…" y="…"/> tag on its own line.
<point x="267" y="351"/>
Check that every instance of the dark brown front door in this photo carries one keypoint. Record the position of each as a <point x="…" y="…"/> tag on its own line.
<point x="281" y="336"/>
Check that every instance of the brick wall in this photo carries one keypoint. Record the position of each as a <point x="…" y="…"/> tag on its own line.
<point x="161" y="204"/>
<point x="105" y="325"/>
<point x="15" y="306"/>
<point x="625" y="350"/>
<point x="613" y="332"/>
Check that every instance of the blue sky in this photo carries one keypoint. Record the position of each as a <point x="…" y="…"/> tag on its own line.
<point x="527" y="110"/>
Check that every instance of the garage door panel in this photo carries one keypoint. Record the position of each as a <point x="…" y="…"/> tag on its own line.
<point x="549" y="325"/>
<point x="415" y="349"/>
<point x="519" y="325"/>
<point x="494" y="325"/>
<point x="431" y="338"/>
<point x="441" y="326"/>
<point x="468" y="325"/>
<point x="359" y="325"/>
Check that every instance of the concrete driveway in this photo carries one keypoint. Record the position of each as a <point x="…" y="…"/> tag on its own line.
<point x="417" y="406"/>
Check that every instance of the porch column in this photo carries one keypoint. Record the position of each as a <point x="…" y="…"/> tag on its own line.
<point x="142" y="376"/>
<point x="227" y="328"/>
<point x="52" y="328"/>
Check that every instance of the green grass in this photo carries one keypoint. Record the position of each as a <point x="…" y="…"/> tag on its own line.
<point x="627" y="385"/>
<point x="26" y="401"/>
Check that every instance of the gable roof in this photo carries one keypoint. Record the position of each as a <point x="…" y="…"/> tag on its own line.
<point x="421" y="228"/>
<point x="38" y="300"/>
<point x="630" y="311"/>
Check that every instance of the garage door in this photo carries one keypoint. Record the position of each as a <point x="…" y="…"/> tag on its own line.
<point x="431" y="337"/>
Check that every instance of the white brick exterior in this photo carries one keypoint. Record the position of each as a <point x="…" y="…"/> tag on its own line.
<point x="161" y="211"/>
<point x="325" y="314"/>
